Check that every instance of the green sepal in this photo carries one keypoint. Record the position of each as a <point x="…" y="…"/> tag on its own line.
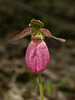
<point x="36" y="24"/>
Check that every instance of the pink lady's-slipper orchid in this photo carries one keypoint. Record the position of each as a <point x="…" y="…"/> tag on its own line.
<point x="37" y="54"/>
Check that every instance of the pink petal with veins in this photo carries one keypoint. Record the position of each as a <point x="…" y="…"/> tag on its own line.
<point x="37" y="57"/>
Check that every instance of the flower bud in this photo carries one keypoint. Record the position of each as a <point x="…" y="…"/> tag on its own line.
<point x="37" y="56"/>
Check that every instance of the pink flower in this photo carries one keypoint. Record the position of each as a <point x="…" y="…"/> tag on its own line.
<point x="37" y="54"/>
<point x="37" y="57"/>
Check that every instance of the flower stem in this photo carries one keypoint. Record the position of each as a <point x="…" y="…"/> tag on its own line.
<point x="40" y="86"/>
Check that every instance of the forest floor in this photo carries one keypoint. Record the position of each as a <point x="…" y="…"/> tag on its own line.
<point x="18" y="83"/>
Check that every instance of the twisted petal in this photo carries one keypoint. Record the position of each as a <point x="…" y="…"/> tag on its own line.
<point x="37" y="57"/>
<point x="48" y="34"/>
<point x="24" y="33"/>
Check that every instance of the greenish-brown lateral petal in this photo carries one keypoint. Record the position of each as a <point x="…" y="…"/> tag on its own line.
<point x="48" y="34"/>
<point x="24" y="33"/>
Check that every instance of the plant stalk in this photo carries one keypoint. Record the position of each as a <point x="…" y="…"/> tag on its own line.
<point x="40" y="86"/>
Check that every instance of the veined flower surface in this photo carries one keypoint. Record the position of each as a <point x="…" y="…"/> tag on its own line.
<point x="37" y="57"/>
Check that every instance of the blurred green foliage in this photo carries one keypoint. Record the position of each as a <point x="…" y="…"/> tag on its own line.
<point x="48" y="88"/>
<point x="62" y="83"/>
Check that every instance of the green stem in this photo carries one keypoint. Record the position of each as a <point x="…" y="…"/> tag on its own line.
<point x="40" y="86"/>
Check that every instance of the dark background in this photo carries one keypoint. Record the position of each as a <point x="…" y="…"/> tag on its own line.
<point x="16" y="81"/>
